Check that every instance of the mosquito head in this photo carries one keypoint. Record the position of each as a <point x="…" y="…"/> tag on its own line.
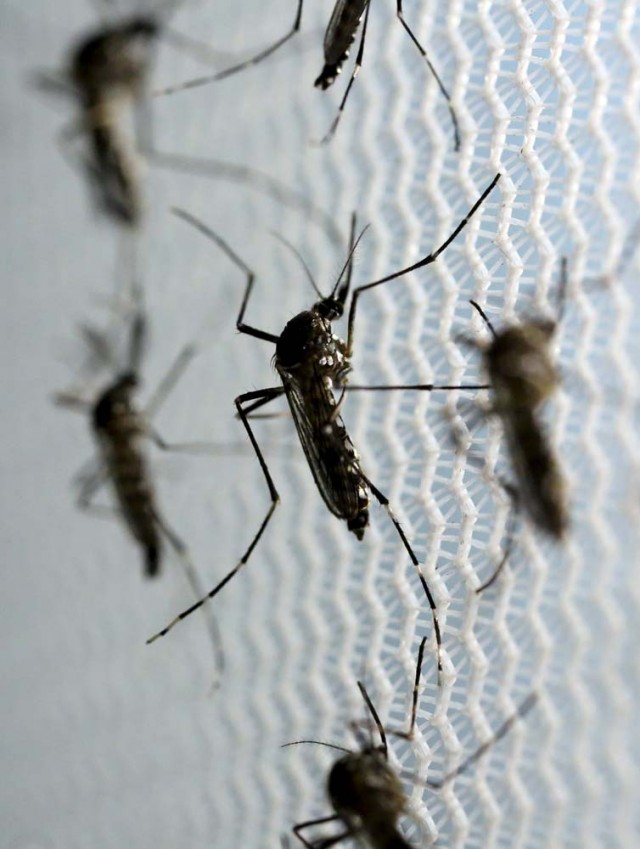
<point x="114" y="57"/>
<point x="115" y="401"/>
<point x="330" y="308"/>
<point x="363" y="786"/>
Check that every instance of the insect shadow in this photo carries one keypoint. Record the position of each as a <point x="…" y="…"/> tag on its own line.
<point x="339" y="36"/>
<point x="312" y="363"/>
<point x="523" y="376"/>
<point x="365" y="791"/>
<point x="120" y="428"/>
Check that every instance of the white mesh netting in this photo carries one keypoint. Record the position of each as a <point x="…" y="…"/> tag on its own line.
<point x="108" y="743"/>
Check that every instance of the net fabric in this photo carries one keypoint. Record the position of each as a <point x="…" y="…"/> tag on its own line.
<point x="112" y="743"/>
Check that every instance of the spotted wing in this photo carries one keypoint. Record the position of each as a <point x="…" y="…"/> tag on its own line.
<point x="341" y="29"/>
<point x="329" y="451"/>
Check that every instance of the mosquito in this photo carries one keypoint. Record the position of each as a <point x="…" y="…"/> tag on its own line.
<point x="119" y="428"/>
<point x="340" y="35"/>
<point x="523" y="376"/>
<point x="365" y="791"/>
<point x="312" y="362"/>
<point x="107" y="72"/>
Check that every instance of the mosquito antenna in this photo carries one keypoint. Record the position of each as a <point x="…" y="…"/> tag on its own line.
<point x="317" y="743"/>
<point x="300" y="259"/>
<point x="376" y="718"/>
<point x="347" y="265"/>
<point x="522" y="711"/>
<point x="485" y="318"/>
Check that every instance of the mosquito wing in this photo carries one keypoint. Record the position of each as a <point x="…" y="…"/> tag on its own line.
<point x="330" y="453"/>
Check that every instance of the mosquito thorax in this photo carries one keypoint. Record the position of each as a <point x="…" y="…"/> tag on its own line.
<point x="308" y="334"/>
<point x="330" y="308"/>
<point x="363" y="785"/>
<point x="114" y="401"/>
<point x="519" y="361"/>
<point x="114" y="56"/>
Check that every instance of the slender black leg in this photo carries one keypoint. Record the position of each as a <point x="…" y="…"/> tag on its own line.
<point x="356" y="69"/>
<point x="233" y="256"/>
<point x="374" y="713"/>
<point x="405" y="735"/>
<point x="234" y="69"/>
<point x="384" y="502"/>
<point x="445" y="93"/>
<point x="181" y="549"/>
<point x="427" y="260"/>
<point x="214" y="449"/>
<point x="262" y="401"/>
<point x="275" y="498"/>
<point x="323" y="843"/>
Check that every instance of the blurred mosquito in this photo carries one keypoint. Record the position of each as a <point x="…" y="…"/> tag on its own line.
<point x="119" y="429"/>
<point x="106" y="73"/>
<point x="366" y="793"/>
<point x="340" y="35"/>
<point x="312" y="362"/>
<point x="523" y="375"/>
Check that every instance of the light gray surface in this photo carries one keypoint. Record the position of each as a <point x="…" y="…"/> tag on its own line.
<point x="108" y="743"/>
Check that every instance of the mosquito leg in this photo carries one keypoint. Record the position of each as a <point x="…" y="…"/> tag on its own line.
<point x="233" y="256"/>
<point x="180" y="547"/>
<point x="356" y="69"/>
<point x="374" y="714"/>
<point x="514" y="495"/>
<point x="169" y="381"/>
<point x="234" y="69"/>
<point x="521" y="712"/>
<point x="310" y="823"/>
<point x="215" y="449"/>
<point x="275" y="498"/>
<point x="445" y="93"/>
<point x="384" y="502"/>
<point x="427" y="260"/>
<point x="262" y="401"/>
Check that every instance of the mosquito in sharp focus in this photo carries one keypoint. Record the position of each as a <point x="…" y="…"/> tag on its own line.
<point x="119" y="428"/>
<point x="340" y="35"/>
<point x="365" y="791"/>
<point x="312" y="363"/>
<point x="523" y="376"/>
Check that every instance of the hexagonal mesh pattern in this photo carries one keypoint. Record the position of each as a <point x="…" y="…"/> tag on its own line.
<point x="109" y="743"/>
